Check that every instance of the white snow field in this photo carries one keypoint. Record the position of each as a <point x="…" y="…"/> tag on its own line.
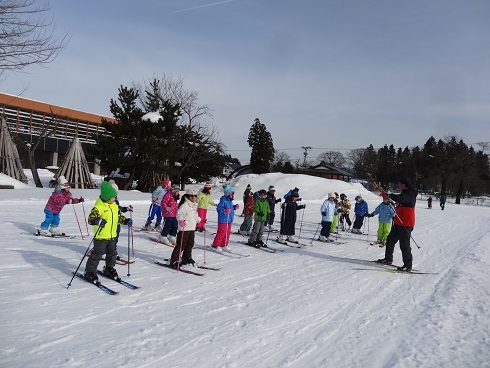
<point x="305" y="307"/>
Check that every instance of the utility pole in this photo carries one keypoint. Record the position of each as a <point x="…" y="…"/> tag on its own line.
<point x="305" y="154"/>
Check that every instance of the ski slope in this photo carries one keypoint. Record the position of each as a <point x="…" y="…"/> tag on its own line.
<point x="305" y="307"/>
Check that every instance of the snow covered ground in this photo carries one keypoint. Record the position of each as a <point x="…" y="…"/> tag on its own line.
<point x="298" y="308"/>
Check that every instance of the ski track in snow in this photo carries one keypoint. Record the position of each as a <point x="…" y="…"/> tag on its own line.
<point x="298" y="308"/>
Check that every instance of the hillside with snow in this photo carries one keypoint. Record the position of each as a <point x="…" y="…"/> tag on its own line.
<point x="307" y="307"/>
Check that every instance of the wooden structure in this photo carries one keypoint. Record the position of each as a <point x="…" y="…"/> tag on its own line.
<point x="75" y="168"/>
<point x="9" y="156"/>
<point x="327" y="171"/>
<point x="28" y="118"/>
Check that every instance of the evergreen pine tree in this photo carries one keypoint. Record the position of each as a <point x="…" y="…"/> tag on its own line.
<point x="260" y="140"/>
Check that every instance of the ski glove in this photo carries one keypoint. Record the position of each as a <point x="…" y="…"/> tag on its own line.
<point x="81" y="199"/>
<point x="100" y="222"/>
<point x="183" y="224"/>
<point x="129" y="222"/>
<point x="154" y="200"/>
<point x="261" y="214"/>
<point x="227" y="210"/>
<point x="236" y="207"/>
<point x="324" y="213"/>
<point x="126" y="209"/>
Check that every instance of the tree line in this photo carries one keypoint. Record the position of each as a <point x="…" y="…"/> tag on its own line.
<point x="446" y="166"/>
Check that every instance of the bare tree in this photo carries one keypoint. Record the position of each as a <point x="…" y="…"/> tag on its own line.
<point x="27" y="37"/>
<point x="334" y="158"/>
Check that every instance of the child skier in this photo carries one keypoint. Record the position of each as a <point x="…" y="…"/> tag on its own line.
<point x="226" y="212"/>
<point x="345" y="207"/>
<point x="155" y="207"/>
<point x="429" y="202"/>
<point x="261" y="213"/>
<point x="104" y="217"/>
<point x="335" y="221"/>
<point x="288" y="217"/>
<point x="328" y="211"/>
<point x="386" y="213"/>
<point x="271" y="198"/>
<point x="361" y="210"/>
<point x="203" y="201"/>
<point x="58" y="199"/>
<point x="169" y="211"/>
<point x="248" y="214"/>
<point x="187" y="219"/>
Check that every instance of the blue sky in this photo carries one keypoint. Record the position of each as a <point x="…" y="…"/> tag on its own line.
<point x="329" y="74"/>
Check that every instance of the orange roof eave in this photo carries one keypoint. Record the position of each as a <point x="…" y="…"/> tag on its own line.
<point x="23" y="103"/>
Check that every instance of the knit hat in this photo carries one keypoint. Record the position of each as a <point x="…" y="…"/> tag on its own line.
<point x="294" y="193"/>
<point x="342" y="196"/>
<point x="63" y="183"/>
<point x="358" y="198"/>
<point x="406" y="180"/>
<point x="228" y="190"/>
<point x="248" y="186"/>
<point x="271" y="187"/>
<point x="114" y="185"/>
<point x="191" y="192"/>
<point x="167" y="184"/>
<point x="262" y="192"/>
<point x="331" y="195"/>
<point x="107" y="191"/>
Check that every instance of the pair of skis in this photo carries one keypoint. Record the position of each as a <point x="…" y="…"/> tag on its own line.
<point x="105" y="288"/>
<point x="266" y="249"/>
<point x="166" y="264"/>
<point x="386" y="267"/>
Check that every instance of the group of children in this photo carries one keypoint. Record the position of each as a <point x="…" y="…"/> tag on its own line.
<point x="182" y="217"/>
<point x="334" y="211"/>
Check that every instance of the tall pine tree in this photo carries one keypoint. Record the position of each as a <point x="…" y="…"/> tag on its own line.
<point x="260" y="140"/>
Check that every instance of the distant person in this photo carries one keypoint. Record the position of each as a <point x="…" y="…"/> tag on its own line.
<point x="58" y="199"/>
<point x="429" y="202"/>
<point x="442" y="201"/>
<point x="403" y="225"/>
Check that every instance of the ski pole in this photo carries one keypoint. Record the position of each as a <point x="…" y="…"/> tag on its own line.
<point x="301" y="224"/>
<point x="316" y="231"/>
<point x="132" y="232"/>
<point x="204" y="234"/>
<point x="129" y="254"/>
<point x="85" y="218"/>
<point x="267" y="239"/>
<point x="84" y="255"/>
<point x="78" y="222"/>
<point x="367" y="235"/>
